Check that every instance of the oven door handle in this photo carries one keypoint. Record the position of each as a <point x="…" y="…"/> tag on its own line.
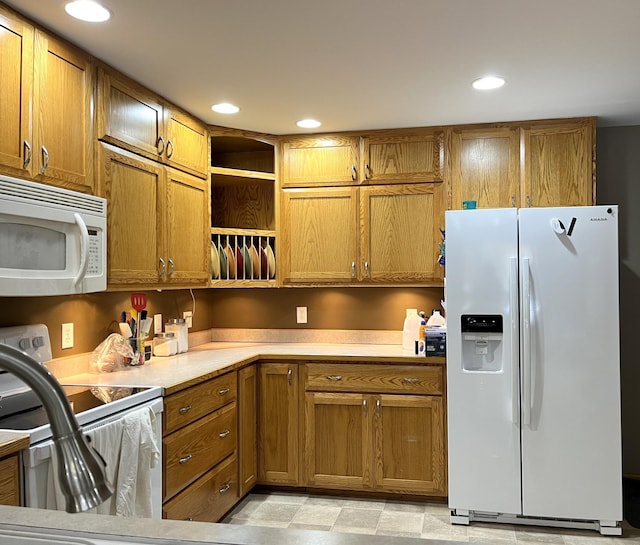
<point x="84" y="249"/>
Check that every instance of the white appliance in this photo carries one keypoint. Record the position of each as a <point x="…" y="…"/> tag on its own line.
<point x="52" y="241"/>
<point x="533" y="379"/>
<point x="95" y="408"/>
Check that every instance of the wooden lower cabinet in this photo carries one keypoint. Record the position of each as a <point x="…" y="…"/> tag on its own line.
<point x="209" y="498"/>
<point x="375" y="427"/>
<point x="247" y="428"/>
<point x="10" y="481"/>
<point x="278" y="429"/>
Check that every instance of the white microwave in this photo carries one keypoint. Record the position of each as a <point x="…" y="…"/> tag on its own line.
<point x="53" y="241"/>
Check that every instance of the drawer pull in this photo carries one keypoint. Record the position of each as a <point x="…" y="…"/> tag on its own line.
<point x="223" y="434"/>
<point x="225" y="488"/>
<point x="334" y="378"/>
<point x="223" y="391"/>
<point x="378" y="408"/>
<point x="185" y="410"/>
<point x="289" y="376"/>
<point x="189" y="518"/>
<point x="185" y="459"/>
<point x="364" y="407"/>
<point x="410" y="380"/>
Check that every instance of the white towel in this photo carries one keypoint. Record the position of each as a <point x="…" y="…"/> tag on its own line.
<point x="130" y="449"/>
<point x="107" y="440"/>
<point x="139" y="454"/>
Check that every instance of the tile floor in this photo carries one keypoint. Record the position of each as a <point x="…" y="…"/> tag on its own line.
<point x="396" y="518"/>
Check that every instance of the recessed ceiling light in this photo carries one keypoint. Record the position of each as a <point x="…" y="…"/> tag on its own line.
<point x="488" y="82"/>
<point x="87" y="10"/>
<point x="225" y="108"/>
<point x="308" y="123"/>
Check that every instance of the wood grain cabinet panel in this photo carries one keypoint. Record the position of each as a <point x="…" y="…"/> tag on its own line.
<point x="247" y="428"/>
<point x="10" y="481"/>
<point x="278" y="427"/>
<point x="485" y="167"/>
<point x="559" y="164"/>
<point x="16" y="92"/>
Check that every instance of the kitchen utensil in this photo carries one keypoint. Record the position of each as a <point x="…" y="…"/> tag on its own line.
<point x="139" y="301"/>
<point x="125" y="330"/>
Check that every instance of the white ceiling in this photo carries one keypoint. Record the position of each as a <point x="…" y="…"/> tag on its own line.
<point x="367" y="64"/>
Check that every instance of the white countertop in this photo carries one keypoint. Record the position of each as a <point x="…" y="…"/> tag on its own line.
<point x="216" y="357"/>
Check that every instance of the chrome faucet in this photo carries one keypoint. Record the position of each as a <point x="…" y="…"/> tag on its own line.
<point x="80" y="466"/>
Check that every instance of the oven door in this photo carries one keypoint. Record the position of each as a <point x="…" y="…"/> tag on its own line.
<point x="40" y="487"/>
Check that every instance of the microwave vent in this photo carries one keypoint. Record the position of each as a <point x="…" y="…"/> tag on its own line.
<point x="14" y="189"/>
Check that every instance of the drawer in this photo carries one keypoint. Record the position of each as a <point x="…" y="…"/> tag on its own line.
<point x="188" y="405"/>
<point x="191" y="451"/>
<point x="209" y="498"/>
<point x="379" y="379"/>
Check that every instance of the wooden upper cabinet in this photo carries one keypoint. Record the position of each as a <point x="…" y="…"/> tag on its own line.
<point x="559" y="166"/>
<point x="132" y="117"/>
<point x="16" y="61"/>
<point x="400" y="232"/>
<point x="400" y="158"/>
<point x="320" y="236"/>
<point x="485" y="167"/>
<point x="187" y="219"/>
<point x="320" y="161"/>
<point x="62" y="114"/>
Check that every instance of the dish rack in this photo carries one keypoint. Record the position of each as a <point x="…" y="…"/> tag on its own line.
<point x="243" y="257"/>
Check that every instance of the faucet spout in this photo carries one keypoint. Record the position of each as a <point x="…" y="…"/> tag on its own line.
<point x="81" y="468"/>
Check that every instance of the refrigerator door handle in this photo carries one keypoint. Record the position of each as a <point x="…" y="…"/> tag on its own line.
<point x="514" y="332"/>
<point x="525" y="317"/>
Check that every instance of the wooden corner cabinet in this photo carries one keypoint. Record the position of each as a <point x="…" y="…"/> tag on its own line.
<point x="134" y="118"/>
<point x="243" y="209"/>
<point x="46" y="107"/>
<point x="200" y="450"/>
<point x="152" y="211"/>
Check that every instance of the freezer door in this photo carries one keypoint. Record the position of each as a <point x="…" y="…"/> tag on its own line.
<point x="571" y="439"/>
<point x="482" y="373"/>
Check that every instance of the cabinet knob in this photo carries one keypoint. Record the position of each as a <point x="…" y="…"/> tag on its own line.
<point x="163" y="267"/>
<point x="289" y="376"/>
<point x="225" y="488"/>
<point x="366" y="269"/>
<point x="367" y="172"/>
<point x="45" y="159"/>
<point x="364" y="407"/>
<point x="169" y="149"/>
<point x="354" y="173"/>
<point x="378" y="408"/>
<point x="528" y="201"/>
<point x="184" y="410"/>
<point x="353" y="269"/>
<point x="171" y="268"/>
<point x="334" y="378"/>
<point x="158" y="145"/>
<point x="223" y="391"/>
<point x="27" y="154"/>
<point x="513" y="201"/>
<point x="410" y="380"/>
<point x="223" y="434"/>
<point x="185" y="459"/>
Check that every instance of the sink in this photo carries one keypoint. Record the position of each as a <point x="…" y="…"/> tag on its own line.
<point x="18" y="537"/>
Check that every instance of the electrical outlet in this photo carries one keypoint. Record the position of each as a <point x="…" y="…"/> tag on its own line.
<point x="157" y="324"/>
<point x="67" y="336"/>
<point x="188" y="317"/>
<point x="301" y="315"/>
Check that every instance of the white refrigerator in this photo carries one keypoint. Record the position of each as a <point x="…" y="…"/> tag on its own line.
<point x="533" y="381"/>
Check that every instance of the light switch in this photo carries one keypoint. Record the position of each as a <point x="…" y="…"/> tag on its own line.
<point x="301" y="315"/>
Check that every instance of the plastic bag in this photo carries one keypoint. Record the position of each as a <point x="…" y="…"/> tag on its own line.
<point x="111" y="354"/>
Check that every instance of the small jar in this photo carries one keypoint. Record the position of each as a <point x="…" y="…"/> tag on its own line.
<point x="165" y="344"/>
<point x="178" y="326"/>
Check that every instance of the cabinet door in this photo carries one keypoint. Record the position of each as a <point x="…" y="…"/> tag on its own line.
<point x="485" y="167"/>
<point x="63" y="114"/>
<point x="187" y="144"/>
<point x="409" y="444"/>
<point x="337" y="440"/>
<point x="278" y="423"/>
<point x="558" y="164"/>
<point x="319" y="235"/>
<point x="402" y="158"/>
<point x="247" y="415"/>
<point x="16" y="66"/>
<point x="129" y="116"/>
<point x="400" y="232"/>
<point x="187" y="229"/>
<point x="322" y="161"/>
<point x="133" y="187"/>
<point x="10" y="481"/>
